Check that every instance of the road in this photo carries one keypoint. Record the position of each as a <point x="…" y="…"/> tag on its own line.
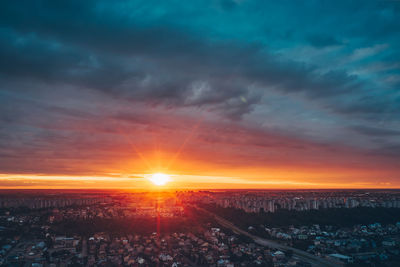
<point x="302" y="255"/>
<point x="84" y="247"/>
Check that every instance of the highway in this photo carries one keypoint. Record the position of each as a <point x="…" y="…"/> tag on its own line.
<point x="302" y="255"/>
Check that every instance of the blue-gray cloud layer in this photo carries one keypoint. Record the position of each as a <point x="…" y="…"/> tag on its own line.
<point x="322" y="71"/>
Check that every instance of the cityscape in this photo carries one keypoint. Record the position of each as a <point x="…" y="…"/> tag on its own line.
<point x="201" y="133"/>
<point x="200" y="228"/>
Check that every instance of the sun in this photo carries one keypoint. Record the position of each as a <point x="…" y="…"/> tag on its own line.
<point x="159" y="178"/>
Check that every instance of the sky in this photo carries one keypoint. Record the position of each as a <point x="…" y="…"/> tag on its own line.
<point x="218" y="94"/>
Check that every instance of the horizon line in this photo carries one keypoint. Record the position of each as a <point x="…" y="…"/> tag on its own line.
<point x="200" y="189"/>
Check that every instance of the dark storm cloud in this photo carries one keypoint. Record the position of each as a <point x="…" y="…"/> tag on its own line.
<point x="29" y="57"/>
<point x="80" y="38"/>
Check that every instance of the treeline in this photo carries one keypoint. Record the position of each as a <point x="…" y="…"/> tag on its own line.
<point x="283" y="218"/>
<point x="131" y="225"/>
<point x="120" y="226"/>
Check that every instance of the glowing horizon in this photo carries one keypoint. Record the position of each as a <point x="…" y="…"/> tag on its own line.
<point x="178" y="182"/>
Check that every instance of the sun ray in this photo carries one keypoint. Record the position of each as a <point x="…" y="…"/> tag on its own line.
<point x="141" y="156"/>
<point x="190" y="134"/>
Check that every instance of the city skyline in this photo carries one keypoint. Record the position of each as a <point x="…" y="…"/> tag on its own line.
<point x="228" y="94"/>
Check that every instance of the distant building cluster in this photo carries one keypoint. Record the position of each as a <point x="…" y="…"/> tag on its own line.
<point x="267" y="202"/>
<point x="42" y="203"/>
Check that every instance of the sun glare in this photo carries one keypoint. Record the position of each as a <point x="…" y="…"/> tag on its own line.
<point x="160" y="179"/>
